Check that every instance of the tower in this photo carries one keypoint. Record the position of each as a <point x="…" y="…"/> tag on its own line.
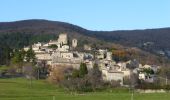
<point x="109" y="55"/>
<point x="74" y="43"/>
<point x="63" y="39"/>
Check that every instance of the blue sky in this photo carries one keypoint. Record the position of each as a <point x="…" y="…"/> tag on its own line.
<point x="91" y="14"/>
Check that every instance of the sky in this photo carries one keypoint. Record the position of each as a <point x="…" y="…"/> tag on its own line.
<point x="98" y="15"/>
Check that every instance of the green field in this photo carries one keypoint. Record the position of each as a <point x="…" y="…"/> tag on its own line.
<point x="20" y="89"/>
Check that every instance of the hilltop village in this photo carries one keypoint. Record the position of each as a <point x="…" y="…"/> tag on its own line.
<point x="61" y="53"/>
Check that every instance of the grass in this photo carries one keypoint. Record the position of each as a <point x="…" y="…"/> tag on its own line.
<point x="20" y="89"/>
<point x="3" y="68"/>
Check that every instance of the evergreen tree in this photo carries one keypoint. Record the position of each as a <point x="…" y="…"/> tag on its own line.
<point x="18" y="57"/>
<point x="75" y="73"/>
<point x="96" y="72"/>
<point x="18" y="60"/>
<point x="83" y="70"/>
<point x="5" y="51"/>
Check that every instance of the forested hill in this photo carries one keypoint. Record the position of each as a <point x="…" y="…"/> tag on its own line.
<point x="39" y="27"/>
<point x="159" y="37"/>
<point x="22" y="33"/>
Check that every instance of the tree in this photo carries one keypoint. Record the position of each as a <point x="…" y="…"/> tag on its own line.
<point x="42" y="69"/>
<point x="120" y="55"/>
<point x="164" y="75"/>
<point x="7" y="51"/>
<point x="96" y="71"/>
<point x="53" y="46"/>
<point x="75" y="73"/>
<point x="57" y="74"/>
<point x="18" y="59"/>
<point x="148" y="71"/>
<point x="30" y="56"/>
<point x="95" y="78"/>
<point x="83" y="70"/>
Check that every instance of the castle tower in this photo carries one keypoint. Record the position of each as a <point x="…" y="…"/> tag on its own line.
<point x="63" y="39"/>
<point x="109" y="55"/>
<point x="74" y="43"/>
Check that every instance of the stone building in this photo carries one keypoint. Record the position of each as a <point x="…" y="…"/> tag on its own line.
<point x="66" y="59"/>
<point x="112" y="75"/>
<point x="63" y="39"/>
<point x="87" y="47"/>
<point x="74" y="43"/>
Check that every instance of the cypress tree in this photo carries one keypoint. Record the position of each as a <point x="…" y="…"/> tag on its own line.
<point x="83" y="70"/>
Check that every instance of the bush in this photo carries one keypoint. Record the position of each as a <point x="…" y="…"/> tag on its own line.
<point x="83" y="70"/>
<point x="80" y="80"/>
<point x="56" y="75"/>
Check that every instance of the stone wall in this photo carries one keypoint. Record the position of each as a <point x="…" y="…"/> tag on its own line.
<point x="150" y="91"/>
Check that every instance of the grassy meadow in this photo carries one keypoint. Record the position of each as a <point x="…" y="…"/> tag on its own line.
<point x="21" y="89"/>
